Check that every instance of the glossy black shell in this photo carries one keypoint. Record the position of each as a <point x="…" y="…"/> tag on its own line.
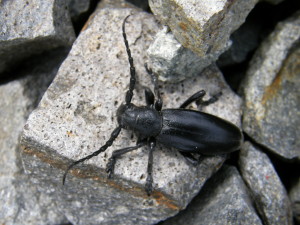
<point x="198" y="132"/>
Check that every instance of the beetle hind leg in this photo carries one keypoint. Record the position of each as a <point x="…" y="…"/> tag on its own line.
<point x="213" y="99"/>
<point x="198" y="97"/>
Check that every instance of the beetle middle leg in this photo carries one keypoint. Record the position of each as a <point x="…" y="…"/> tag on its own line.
<point x="117" y="153"/>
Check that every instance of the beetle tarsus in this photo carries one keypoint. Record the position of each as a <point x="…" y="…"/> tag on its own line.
<point x="148" y="185"/>
<point x="110" y="166"/>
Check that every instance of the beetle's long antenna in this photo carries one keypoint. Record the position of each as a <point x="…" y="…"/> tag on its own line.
<point x="129" y="93"/>
<point x="113" y="136"/>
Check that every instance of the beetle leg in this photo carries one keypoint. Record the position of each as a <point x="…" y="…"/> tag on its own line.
<point x="213" y="99"/>
<point x="149" y="180"/>
<point x="158" y="103"/>
<point x="149" y="96"/>
<point x="190" y="158"/>
<point x="198" y="95"/>
<point x="117" y="153"/>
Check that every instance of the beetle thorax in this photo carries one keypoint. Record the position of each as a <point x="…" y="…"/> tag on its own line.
<point x="145" y="121"/>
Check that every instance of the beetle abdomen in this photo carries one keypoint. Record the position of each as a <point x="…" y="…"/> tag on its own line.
<point x="198" y="132"/>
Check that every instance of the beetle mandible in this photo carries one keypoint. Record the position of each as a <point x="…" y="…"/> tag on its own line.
<point x="189" y="131"/>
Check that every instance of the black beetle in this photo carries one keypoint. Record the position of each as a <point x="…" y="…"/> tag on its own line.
<point x="188" y="131"/>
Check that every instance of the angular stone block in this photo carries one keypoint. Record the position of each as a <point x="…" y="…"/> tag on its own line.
<point x="31" y="27"/>
<point x="203" y="26"/>
<point x="271" y="91"/>
<point x="224" y="199"/>
<point x="268" y="192"/>
<point x="21" y="201"/>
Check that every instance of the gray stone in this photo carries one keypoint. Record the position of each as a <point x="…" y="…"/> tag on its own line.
<point x="171" y="61"/>
<point x="267" y="190"/>
<point x="224" y="199"/>
<point x="271" y="91"/>
<point x="114" y="4"/>
<point x="143" y="4"/>
<point x="244" y="41"/>
<point x="77" y="8"/>
<point x="21" y="202"/>
<point x="274" y="2"/>
<point x="30" y="27"/>
<point x="203" y="26"/>
<point x="294" y="195"/>
<point x="78" y="113"/>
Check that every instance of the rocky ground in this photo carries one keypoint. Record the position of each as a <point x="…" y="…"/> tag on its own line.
<point x="64" y="71"/>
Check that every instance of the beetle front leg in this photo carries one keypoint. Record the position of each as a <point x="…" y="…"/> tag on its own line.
<point x="149" y="180"/>
<point x="158" y="103"/>
<point x="149" y="96"/>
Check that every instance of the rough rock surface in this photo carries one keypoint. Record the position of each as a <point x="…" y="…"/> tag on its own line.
<point x="203" y="26"/>
<point x="267" y="190"/>
<point x="224" y="199"/>
<point x="21" y="200"/>
<point x="171" y="61"/>
<point x="294" y="195"/>
<point x="31" y="27"/>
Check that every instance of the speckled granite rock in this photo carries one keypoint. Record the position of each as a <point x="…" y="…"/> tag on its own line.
<point x="294" y="195"/>
<point x="21" y="201"/>
<point x="267" y="190"/>
<point x="77" y="8"/>
<point x="31" y="27"/>
<point x="202" y="26"/>
<point x="223" y="200"/>
<point x="171" y="61"/>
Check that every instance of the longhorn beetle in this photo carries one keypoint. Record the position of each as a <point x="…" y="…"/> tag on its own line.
<point x="188" y="131"/>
